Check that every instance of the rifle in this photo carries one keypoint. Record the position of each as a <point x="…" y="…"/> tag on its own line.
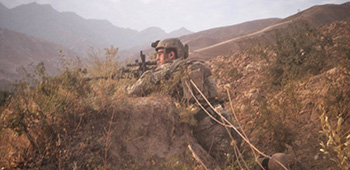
<point x="136" y="69"/>
<point x="142" y="66"/>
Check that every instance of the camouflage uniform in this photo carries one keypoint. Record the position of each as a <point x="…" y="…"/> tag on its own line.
<point x="198" y="71"/>
<point x="212" y="136"/>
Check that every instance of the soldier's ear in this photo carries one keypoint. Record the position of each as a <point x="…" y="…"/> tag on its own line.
<point x="172" y="55"/>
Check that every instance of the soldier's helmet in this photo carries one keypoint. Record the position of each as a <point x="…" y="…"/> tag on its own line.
<point x="172" y="43"/>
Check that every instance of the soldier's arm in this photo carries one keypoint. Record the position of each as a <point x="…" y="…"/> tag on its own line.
<point x="139" y="88"/>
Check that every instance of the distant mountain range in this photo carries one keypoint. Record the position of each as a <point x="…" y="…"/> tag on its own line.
<point x="18" y="49"/>
<point x="73" y="31"/>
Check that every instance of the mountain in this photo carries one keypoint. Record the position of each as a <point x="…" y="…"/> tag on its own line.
<point x="180" y="32"/>
<point x="77" y="33"/>
<point x="34" y="33"/>
<point x="206" y="38"/>
<point x="148" y="35"/>
<point x="71" y="30"/>
<point x="2" y="7"/>
<point x="18" y="49"/>
<point x="153" y="34"/>
<point x="315" y="16"/>
<point x="322" y="14"/>
<point x="65" y="28"/>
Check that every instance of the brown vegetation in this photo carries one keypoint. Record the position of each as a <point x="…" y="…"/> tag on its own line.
<point x="283" y="94"/>
<point x="280" y="92"/>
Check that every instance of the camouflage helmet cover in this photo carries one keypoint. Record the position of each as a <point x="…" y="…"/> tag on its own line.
<point x="174" y="43"/>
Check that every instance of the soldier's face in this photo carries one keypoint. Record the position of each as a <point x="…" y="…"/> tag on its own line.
<point x="163" y="57"/>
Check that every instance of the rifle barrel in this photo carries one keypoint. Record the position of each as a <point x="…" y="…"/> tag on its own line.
<point x="139" y="64"/>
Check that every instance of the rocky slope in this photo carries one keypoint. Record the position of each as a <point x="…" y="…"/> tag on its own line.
<point x="287" y="119"/>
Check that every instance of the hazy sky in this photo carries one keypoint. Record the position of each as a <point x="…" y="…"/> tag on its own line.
<point x="195" y="15"/>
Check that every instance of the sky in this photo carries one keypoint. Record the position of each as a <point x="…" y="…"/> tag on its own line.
<point x="170" y="15"/>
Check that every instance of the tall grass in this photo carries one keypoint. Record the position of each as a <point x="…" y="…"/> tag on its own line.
<point x="49" y="111"/>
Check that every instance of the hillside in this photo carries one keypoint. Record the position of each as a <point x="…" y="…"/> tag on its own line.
<point x="17" y="50"/>
<point x="322" y="14"/>
<point x="314" y="16"/>
<point x="280" y="93"/>
<point x="209" y="37"/>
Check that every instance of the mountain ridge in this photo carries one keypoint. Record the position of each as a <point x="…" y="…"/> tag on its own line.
<point x="220" y="34"/>
<point x="315" y="16"/>
<point x="70" y="29"/>
<point x="14" y="45"/>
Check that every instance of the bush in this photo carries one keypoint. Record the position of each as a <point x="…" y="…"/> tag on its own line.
<point x="44" y="111"/>
<point x="224" y="69"/>
<point x="335" y="133"/>
<point x="336" y="143"/>
<point x="299" y="53"/>
<point x="3" y="96"/>
<point x="51" y="113"/>
<point x="272" y="124"/>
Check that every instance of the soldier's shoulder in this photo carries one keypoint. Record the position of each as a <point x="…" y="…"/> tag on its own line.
<point x="194" y="61"/>
<point x="199" y="65"/>
<point x="190" y="63"/>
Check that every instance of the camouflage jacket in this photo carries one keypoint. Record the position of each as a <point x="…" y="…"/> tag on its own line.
<point x="174" y="78"/>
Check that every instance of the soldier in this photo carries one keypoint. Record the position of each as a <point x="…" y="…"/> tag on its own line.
<point x="174" y="73"/>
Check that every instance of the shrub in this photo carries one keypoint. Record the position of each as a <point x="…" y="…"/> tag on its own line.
<point x="272" y="123"/>
<point x="299" y="53"/>
<point x="3" y="96"/>
<point x="336" y="143"/>
<point x="43" y="111"/>
<point x="224" y="69"/>
<point x="50" y="111"/>
<point x="335" y="133"/>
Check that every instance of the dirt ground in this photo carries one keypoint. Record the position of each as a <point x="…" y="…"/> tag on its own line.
<point x="151" y="136"/>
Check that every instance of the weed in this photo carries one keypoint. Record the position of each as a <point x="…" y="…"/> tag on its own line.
<point x="336" y="143"/>
<point x="50" y="111"/>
